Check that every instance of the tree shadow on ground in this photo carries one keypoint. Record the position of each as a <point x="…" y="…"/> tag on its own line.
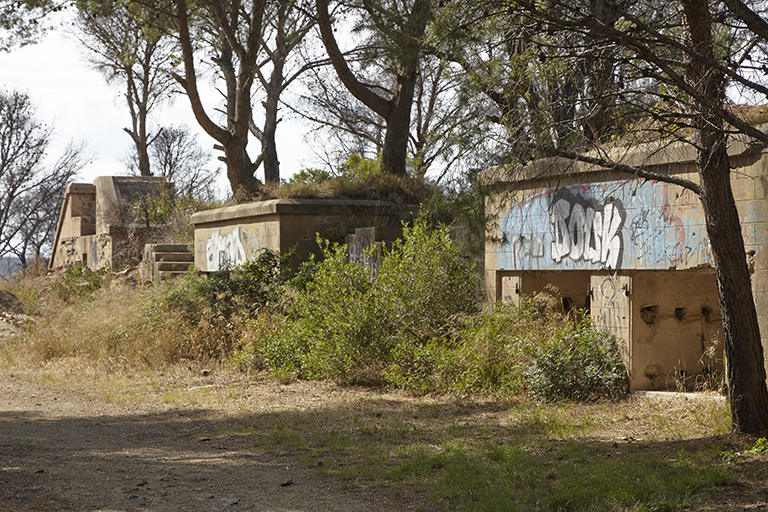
<point x="372" y="454"/>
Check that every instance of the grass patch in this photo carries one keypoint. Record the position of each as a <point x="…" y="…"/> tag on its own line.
<point x="442" y="453"/>
<point x="467" y="455"/>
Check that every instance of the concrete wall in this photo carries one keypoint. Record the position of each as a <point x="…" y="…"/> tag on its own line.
<point x="632" y="246"/>
<point x="93" y="224"/>
<point x="676" y="315"/>
<point x="234" y="234"/>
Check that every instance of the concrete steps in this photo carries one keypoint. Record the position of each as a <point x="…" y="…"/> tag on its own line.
<point x="163" y="261"/>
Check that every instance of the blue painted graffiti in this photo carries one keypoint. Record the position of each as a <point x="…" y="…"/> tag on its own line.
<point x="616" y="225"/>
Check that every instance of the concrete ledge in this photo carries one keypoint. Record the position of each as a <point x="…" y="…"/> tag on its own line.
<point x="297" y="206"/>
<point x="80" y="188"/>
<point x="658" y="156"/>
<point x="671" y="395"/>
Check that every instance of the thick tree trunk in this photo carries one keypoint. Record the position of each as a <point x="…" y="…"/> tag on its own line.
<point x="743" y="346"/>
<point x="269" y="147"/>
<point x="245" y="186"/>
<point x="395" y="150"/>
<point x="143" y="159"/>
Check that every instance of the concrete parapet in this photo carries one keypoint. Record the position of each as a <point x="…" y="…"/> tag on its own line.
<point x="234" y="234"/>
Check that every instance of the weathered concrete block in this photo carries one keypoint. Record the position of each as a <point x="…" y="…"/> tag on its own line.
<point x="234" y="234"/>
<point x="93" y="227"/>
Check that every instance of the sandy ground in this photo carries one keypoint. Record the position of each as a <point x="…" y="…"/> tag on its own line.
<point x="65" y="451"/>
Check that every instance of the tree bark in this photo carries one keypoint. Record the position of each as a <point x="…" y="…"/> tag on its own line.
<point x="395" y="150"/>
<point x="396" y="111"/>
<point x="268" y="141"/>
<point x="743" y="346"/>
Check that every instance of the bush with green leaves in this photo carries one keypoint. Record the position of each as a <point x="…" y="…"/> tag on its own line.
<point x="350" y="325"/>
<point x="78" y="282"/>
<point x="245" y="289"/>
<point x="209" y="314"/>
<point x="507" y="350"/>
<point x="580" y="364"/>
<point x="488" y="355"/>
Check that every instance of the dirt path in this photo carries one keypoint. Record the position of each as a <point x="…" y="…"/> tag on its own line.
<point x="64" y="451"/>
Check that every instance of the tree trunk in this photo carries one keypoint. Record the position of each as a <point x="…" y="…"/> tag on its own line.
<point x="269" y="146"/>
<point x="143" y="158"/>
<point x="395" y="150"/>
<point x="271" y="107"/>
<point x="743" y="346"/>
<point x="137" y="105"/>
<point x="234" y="139"/>
<point x="245" y="186"/>
<point x="397" y="110"/>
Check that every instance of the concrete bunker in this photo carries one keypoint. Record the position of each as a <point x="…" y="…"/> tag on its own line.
<point x="234" y="234"/>
<point x="632" y="252"/>
<point x="94" y="227"/>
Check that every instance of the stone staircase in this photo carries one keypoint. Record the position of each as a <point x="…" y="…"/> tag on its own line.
<point x="162" y="261"/>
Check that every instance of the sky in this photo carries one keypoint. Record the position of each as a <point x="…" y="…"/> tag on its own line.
<point x="75" y="99"/>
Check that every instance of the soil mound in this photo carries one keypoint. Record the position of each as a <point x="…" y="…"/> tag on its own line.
<point x="9" y="303"/>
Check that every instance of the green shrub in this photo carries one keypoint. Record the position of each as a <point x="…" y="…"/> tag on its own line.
<point x="77" y="282"/>
<point x="309" y="175"/>
<point x="349" y="326"/>
<point x="581" y="364"/>
<point x="243" y="289"/>
<point x="208" y="316"/>
<point x="335" y="327"/>
<point x="489" y="354"/>
<point x="507" y="350"/>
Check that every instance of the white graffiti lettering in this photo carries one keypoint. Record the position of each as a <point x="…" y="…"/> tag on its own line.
<point x="525" y="249"/>
<point x="224" y="250"/>
<point x="582" y="232"/>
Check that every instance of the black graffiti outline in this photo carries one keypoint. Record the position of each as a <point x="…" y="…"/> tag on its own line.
<point x="569" y="211"/>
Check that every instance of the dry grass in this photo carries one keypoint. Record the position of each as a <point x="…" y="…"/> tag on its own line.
<point x="401" y="190"/>
<point x="448" y="454"/>
<point x="108" y="328"/>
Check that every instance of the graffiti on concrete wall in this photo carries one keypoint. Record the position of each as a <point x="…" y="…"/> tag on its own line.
<point x="219" y="248"/>
<point x="608" y="225"/>
<point x="222" y="250"/>
<point x="611" y="304"/>
<point x="585" y="230"/>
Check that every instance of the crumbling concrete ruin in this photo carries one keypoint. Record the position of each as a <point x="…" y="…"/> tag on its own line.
<point x="96" y="228"/>
<point x="633" y="252"/>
